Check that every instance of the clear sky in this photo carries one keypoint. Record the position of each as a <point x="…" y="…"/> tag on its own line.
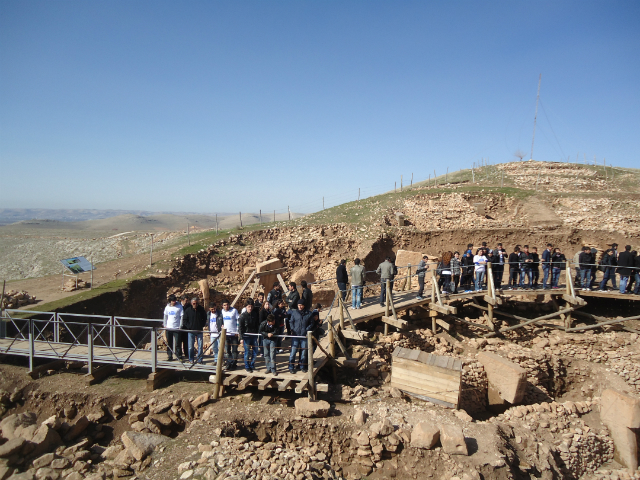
<point x="245" y="105"/>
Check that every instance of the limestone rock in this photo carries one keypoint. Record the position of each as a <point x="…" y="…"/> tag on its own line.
<point x="452" y="440"/>
<point x="359" y="417"/>
<point x="140" y="445"/>
<point x="80" y="426"/>
<point x="383" y="428"/>
<point x="45" y="440"/>
<point x="621" y="413"/>
<point x="14" y="445"/>
<point x="509" y="379"/>
<point x="308" y="408"/>
<point x="9" y="424"/>
<point x="425" y="435"/>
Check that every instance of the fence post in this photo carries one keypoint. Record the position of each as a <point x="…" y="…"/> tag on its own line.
<point x="332" y="348"/>
<point x="154" y="349"/>
<point x="341" y="305"/>
<point x="112" y="332"/>
<point x="31" y="345"/>
<point x="312" y="379"/>
<point x="407" y="286"/>
<point x="218" y="385"/>
<point x="90" y="348"/>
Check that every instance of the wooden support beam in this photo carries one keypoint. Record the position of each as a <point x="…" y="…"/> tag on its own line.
<point x="355" y="334"/>
<point x="282" y="284"/>
<point x="603" y="323"/>
<point x="255" y="288"/>
<point x="396" y="323"/>
<point x="271" y="272"/>
<point x="336" y="337"/>
<point x="574" y="300"/>
<point x="282" y="386"/>
<point x="55" y="365"/>
<point x="244" y="287"/>
<point x="479" y="325"/>
<point x="246" y="381"/>
<point x="480" y="307"/>
<point x="302" y="385"/>
<point x="231" y="380"/>
<point x="445" y="309"/>
<point x="435" y="286"/>
<point x="266" y="382"/>
<point x="490" y="300"/>
<point x="322" y="387"/>
<point x="534" y="320"/>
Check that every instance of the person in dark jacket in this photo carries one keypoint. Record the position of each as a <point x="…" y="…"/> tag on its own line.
<point x="183" y="338"/>
<point x="280" y="314"/>
<point x="535" y="266"/>
<point x="299" y="324"/>
<point x="307" y="294"/>
<point x="275" y="295"/>
<point x="626" y="262"/>
<point x="514" y="268"/>
<point x="387" y="271"/>
<point x="498" y="259"/>
<point x="293" y="296"/>
<point x="248" y="326"/>
<point x="526" y="260"/>
<point x="585" y="260"/>
<point x="632" y="277"/>
<point x="607" y="265"/>
<point x="342" y="278"/>
<point x="268" y="331"/>
<point x="546" y="266"/>
<point x="259" y="302"/>
<point x="637" y="274"/>
<point x="558" y="263"/>
<point x="195" y="319"/>
<point x="467" y="271"/>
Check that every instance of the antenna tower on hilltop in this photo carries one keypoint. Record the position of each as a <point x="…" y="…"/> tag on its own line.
<point x="535" y="118"/>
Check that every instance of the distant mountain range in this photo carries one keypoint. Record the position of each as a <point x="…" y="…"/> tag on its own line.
<point x="13" y="215"/>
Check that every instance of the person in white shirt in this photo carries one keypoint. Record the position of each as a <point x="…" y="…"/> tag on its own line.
<point x="230" y="322"/>
<point x="480" y="262"/>
<point x="172" y="322"/>
<point x="215" y="327"/>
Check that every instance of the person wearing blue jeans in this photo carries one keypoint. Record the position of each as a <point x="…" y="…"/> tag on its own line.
<point x="546" y="267"/>
<point x="585" y="278"/>
<point x="357" y="282"/>
<point x="268" y="331"/>
<point x="248" y="326"/>
<point x="555" y="277"/>
<point x="626" y="264"/>
<point x="192" y="337"/>
<point x="299" y="324"/>
<point x="480" y="262"/>
<point x="194" y="321"/>
<point x="342" y="278"/>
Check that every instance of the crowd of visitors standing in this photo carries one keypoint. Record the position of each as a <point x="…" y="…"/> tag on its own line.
<point x="261" y="325"/>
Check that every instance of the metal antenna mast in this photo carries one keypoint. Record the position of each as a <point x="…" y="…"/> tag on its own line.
<point x="535" y="118"/>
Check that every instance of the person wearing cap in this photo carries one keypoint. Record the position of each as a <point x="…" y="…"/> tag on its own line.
<point x="357" y="284"/>
<point x="299" y="325"/>
<point x="422" y="269"/>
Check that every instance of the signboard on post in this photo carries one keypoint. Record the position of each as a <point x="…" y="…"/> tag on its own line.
<point x="77" y="265"/>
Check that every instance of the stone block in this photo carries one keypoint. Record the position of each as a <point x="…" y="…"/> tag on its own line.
<point x="620" y="412"/>
<point x="507" y="378"/>
<point x="309" y="408"/>
<point x="425" y="435"/>
<point x="619" y="408"/>
<point x="140" y="445"/>
<point x="268" y="280"/>
<point x="452" y="440"/>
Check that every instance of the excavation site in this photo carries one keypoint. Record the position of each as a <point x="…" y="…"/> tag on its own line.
<point x="395" y="352"/>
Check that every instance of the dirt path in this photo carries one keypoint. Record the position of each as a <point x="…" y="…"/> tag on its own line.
<point x="539" y="213"/>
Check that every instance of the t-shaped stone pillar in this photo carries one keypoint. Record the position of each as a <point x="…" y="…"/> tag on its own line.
<point x="620" y="412"/>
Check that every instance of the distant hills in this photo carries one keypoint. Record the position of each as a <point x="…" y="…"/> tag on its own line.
<point x="16" y="221"/>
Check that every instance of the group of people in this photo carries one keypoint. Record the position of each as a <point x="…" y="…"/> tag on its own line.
<point x="467" y="272"/>
<point x="260" y="328"/>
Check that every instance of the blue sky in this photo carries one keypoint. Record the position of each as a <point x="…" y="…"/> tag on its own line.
<point x="224" y="106"/>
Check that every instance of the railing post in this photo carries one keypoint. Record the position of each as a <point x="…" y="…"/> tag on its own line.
<point x="407" y="286"/>
<point x="341" y="305"/>
<point x="312" y="379"/>
<point x="112" y="332"/>
<point x="56" y="328"/>
<point x="31" y="345"/>
<point x="218" y="385"/>
<point x="90" y="348"/>
<point x="154" y="349"/>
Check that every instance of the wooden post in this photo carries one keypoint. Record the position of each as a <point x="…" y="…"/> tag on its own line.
<point x="407" y="286"/>
<point x="150" y="254"/>
<point x="312" y="379"/>
<point x="154" y="349"/>
<point x="571" y="292"/>
<point x="218" y="385"/>
<point x="332" y="348"/>
<point x="491" y="292"/>
<point x="435" y="178"/>
<point x="341" y="306"/>
<point x="3" y="325"/>
<point x="274" y="216"/>
<point x="411" y="180"/>
<point x="260" y="217"/>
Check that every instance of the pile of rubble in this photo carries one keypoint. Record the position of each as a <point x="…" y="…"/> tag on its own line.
<point x="599" y="213"/>
<point x="72" y="285"/>
<point x="17" y="299"/>
<point x="457" y="210"/>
